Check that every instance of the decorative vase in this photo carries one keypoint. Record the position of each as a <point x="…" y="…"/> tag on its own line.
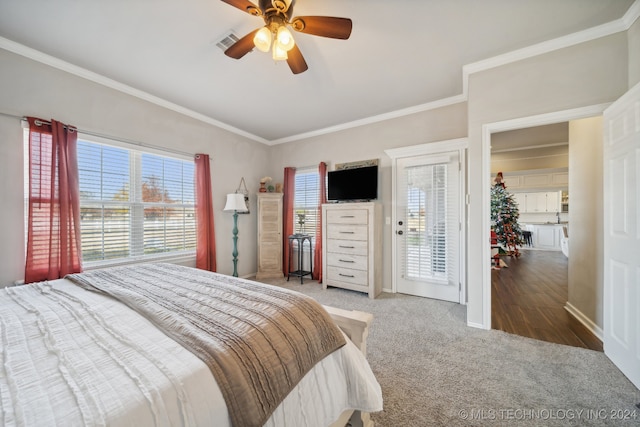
<point x="263" y="188"/>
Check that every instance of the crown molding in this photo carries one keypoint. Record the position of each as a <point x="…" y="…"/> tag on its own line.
<point x="613" y="27"/>
<point x="54" y="62"/>
<point x="632" y="14"/>
<point x="373" y="119"/>
<point x="573" y="39"/>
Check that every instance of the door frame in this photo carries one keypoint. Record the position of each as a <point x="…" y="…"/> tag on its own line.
<point x="431" y="148"/>
<point x="506" y="125"/>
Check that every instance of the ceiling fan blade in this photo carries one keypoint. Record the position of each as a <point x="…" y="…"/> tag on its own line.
<point x="242" y="46"/>
<point x="245" y="6"/>
<point x="325" y="26"/>
<point x="296" y="61"/>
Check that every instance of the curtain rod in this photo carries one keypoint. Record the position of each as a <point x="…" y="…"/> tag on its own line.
<point x="126" y="141"/>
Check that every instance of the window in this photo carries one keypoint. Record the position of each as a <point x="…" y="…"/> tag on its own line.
<point x="134" y="204"/>
<point x="305" y="205"/>
<point x="425" y="252"/>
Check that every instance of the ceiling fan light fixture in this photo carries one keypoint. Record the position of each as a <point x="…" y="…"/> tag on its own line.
<point x="285" y="39"/>
<point x="262" y="39"/>
<point x="279" y="54"/>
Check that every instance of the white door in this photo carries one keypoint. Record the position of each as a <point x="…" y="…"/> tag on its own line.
<point x="622" y="234"/>
<point x="428" y="226"/>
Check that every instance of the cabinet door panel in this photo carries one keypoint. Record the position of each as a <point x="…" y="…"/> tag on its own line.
<point x="553" y="201"/>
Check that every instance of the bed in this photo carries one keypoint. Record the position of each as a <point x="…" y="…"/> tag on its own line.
<point x="110" y="347"/>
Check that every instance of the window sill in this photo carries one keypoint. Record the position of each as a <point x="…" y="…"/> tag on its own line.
<point x="184" y="258"/>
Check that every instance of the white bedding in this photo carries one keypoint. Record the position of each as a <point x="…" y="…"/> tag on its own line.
<point x="73" y="357"/>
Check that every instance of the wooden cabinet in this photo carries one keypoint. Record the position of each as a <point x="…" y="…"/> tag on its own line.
<point x="351" y="244"/>
<point x="269" y="235"/>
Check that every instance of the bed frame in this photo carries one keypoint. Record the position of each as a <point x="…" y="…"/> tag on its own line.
<point x="355" y="324"/>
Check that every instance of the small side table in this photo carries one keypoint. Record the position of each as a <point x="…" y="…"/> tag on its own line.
<point x="299" y="271"/>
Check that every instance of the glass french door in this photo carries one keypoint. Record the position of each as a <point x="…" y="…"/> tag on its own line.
<point x="428" y="222"/>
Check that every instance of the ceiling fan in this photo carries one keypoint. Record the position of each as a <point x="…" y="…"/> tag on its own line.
<point x="275" y="36"/>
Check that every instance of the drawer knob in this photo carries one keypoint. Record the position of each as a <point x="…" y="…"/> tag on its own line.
<point x="346" y="275"/>
<point x="347" y="232"/>
<point x="346" y="260"/>
<point x="347" y="247"/>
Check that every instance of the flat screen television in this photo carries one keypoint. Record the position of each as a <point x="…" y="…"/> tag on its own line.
<point x="353" y="184"/>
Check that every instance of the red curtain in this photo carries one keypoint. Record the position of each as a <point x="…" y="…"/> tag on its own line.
<point x="288" y="189"/>
<point x="53" y="226"/>
<point x="205" y="233"/>
<point x="322" y="198"/>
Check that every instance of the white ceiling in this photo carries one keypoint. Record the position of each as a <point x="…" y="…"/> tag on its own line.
<point x="402" y="54"/>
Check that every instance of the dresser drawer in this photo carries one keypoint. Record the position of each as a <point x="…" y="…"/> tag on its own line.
<point x="354" y="277"/>
<point x="347" y="216"/>
<point x="356" y="262"/>
<point x="347" y="232"/>
<point x="351" y="247"/>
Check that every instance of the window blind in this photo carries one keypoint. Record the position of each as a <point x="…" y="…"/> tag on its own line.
<point x="305" y="207"/>
<point x="428" y="247"/>
<point x="134" y="204"/>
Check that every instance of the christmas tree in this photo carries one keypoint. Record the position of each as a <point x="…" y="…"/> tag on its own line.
<point x="504" y="219"/>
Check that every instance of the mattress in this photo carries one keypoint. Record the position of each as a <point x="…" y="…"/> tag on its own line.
<point x="75" y="357"/>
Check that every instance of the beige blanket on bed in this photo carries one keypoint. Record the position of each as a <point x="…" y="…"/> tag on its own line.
<point x="258" y="340"/>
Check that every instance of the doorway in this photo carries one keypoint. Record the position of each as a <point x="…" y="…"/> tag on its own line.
<point x="543" y="266"/>
<point x="530" y="291"/>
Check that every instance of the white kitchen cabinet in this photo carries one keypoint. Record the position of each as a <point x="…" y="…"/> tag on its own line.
<point x="538" y="202"/>
<point x="546" y="236"/>
<point x="553" y="201"/>
<point x="521" y="200"/>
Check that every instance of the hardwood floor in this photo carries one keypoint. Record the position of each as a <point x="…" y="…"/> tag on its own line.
<point x="528" y="298"/>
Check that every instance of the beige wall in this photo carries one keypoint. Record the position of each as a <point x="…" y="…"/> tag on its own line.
<point x="586" y="230"/>
<point x="369" y="142"/>
<point x="633" y="36"/>
<point x="31" y="88"/>
<point x="586" y="74"/>
<point x="590" y="73"/>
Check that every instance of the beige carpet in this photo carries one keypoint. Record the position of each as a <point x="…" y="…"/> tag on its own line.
<point x="436" y="371"/>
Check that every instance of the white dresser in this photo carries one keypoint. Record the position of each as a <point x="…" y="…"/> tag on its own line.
<point x="269" y="235"/>
<point x="351" y="245"/>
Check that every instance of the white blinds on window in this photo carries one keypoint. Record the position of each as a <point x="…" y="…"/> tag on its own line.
<point x="306" y="201"/>
<point x="428" y="246"/>
<point x="134" y="204"/>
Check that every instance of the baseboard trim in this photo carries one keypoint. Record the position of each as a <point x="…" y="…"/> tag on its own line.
<point x="588" y="323"/>
<point x="477" y="325"/>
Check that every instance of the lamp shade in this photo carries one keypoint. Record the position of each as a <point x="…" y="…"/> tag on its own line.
<point x="262" y="39"/>
<point x="285" y="39"/>
<point x="279" y="54"/>
<point x="235" y="202"/>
